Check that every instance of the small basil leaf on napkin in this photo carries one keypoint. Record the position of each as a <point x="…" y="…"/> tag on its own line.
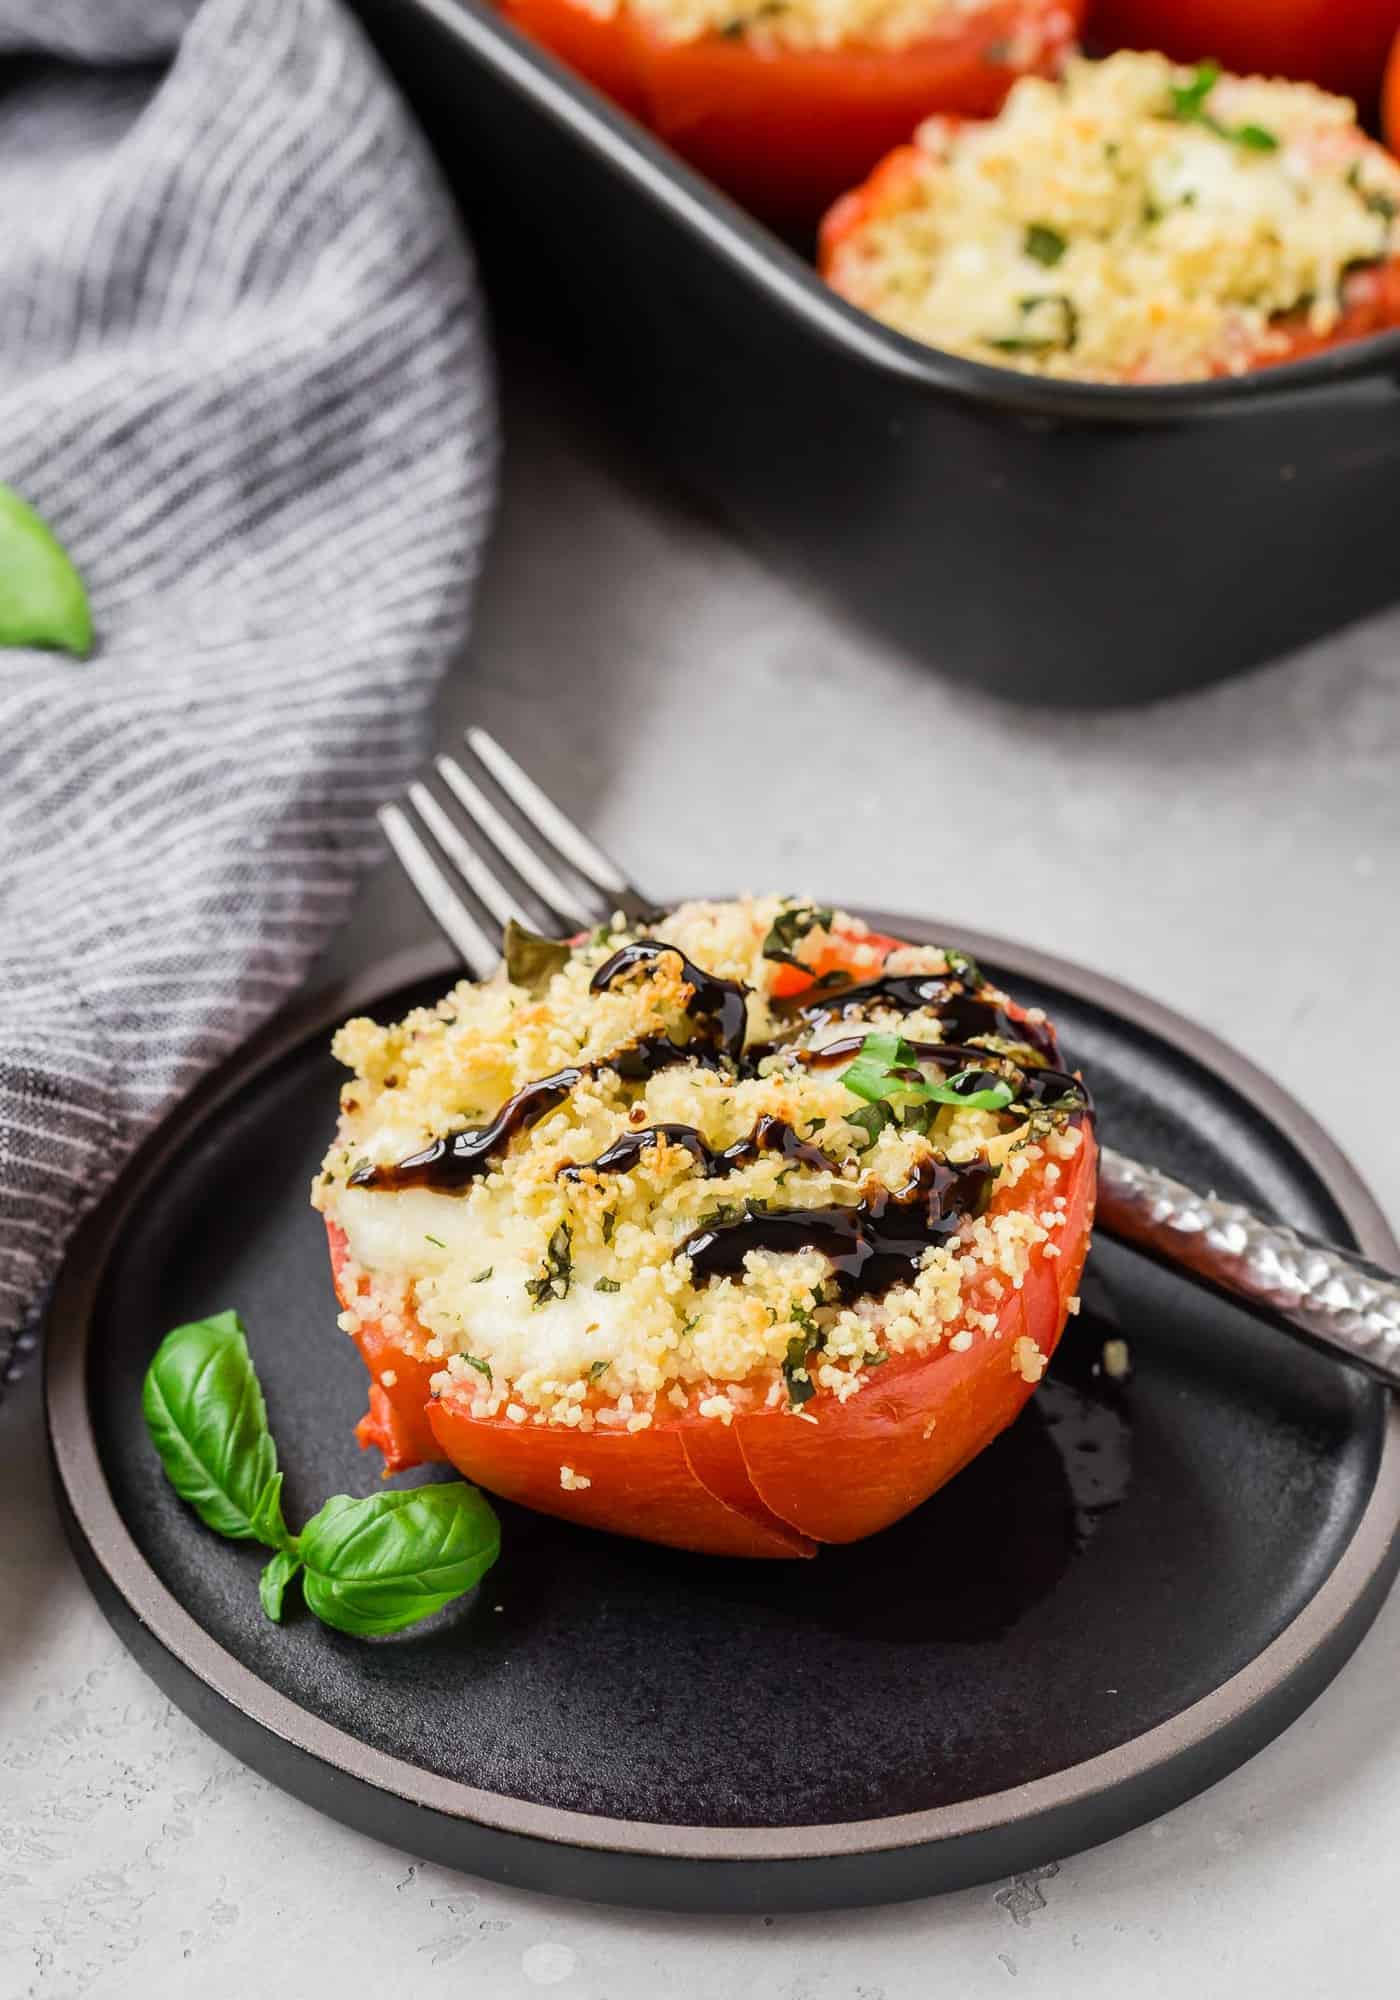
<point x="205" y="1412"/>
<point x="376" y="1565"/>
<point x="272" y="1584"/>
<point x="532" y="961"/>
<point x="42" y="598"/>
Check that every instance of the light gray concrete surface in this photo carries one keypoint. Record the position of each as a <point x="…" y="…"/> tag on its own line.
<point x="1235" y="854"/>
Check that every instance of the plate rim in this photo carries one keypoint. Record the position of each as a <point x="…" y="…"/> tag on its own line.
<point x="1336" y="1615"/>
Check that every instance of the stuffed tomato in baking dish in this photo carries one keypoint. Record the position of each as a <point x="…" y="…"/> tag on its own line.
<point x="743" y="1234"/>
<point x="1137" y="222"/>
<point x="787" y="102"/>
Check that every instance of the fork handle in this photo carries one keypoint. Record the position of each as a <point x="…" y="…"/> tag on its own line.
<point x="1329" y="1297"/>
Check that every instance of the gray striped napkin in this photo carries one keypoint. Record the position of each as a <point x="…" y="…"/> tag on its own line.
<point x="243" y="373"/>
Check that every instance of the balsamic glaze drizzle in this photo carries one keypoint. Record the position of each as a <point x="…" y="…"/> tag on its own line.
<point x="449" y="1163"/>
<point x="769" y="1135"/>
<point x="963" y="1014"/>
<point x="720" y="1006"/>
<point x="872" y="1244"/>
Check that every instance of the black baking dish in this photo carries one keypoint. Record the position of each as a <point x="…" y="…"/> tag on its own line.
<point x="1051" y="541"/>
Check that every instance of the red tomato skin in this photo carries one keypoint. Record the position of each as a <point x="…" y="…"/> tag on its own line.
<point x="920" y="1419"/>
<point x="396" y="1422"/>
<point x="1390" y="98"/>
<point x="785" y="130"/>
<point x="1340" y="44"/>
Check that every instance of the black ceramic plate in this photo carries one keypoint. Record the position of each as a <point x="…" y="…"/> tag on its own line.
<point x="1128" y="1594"/>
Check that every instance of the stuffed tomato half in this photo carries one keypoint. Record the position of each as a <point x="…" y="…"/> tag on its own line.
<point x="743" y="1235"/>
<point x="1138" y="222"/>
<point x="786" y="102"/>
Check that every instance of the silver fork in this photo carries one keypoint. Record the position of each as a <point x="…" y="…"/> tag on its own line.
<point x="556" y="880"/>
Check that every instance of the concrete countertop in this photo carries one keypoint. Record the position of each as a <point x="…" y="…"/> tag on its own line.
<point x="1235" y="854"/>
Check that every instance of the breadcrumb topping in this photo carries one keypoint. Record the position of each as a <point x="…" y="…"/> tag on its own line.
<point x="565" y="1299"/>
<point x="1040" y="27"/>
<point x="1136" y="221"/>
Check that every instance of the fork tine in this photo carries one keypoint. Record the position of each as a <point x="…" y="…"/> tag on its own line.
<point x="444" y="905"/>
<point x="474" y="871"/>
<point x="546" y="818"/>
<point x="556" y="892"/>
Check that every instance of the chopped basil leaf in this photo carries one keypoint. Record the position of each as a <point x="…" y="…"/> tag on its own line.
<point x="887" y="1067"/>
<point x="875" y="1357"/>
<point x="800" y="1316"/>
<point x="872" y="1120"/>
<point x="557" y="1275"/>
<point x="599" y="1368"/>
<point x="482" y="1276"/>
<point x="814" y="1125"/>
<point x="481" y="1367"/>
<point x="965" y="966"/>
<point x="435" y="1240"/>
<point x="1030" y="340"/>
<point x="800" y="1386"/>
<point x="609" y="1224"/>
<point x="607" y="1285"/>
<point x="788" y="929"/>
<point x="1189" y="106"/>
<point x="532" y="961"/>
<point x="1189" y="99"/>
<point x="713" y="1218"/>
<point x="1045" y="244"/>
<point x="1372" y="199"/>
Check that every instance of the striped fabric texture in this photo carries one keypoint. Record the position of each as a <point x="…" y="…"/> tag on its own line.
<point x="243" y="372"/>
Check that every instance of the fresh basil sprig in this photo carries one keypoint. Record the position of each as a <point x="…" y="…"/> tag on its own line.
<point x="42" y="598"/>
<point x="888" y="1066"/>
<point x="368" y="1567"/>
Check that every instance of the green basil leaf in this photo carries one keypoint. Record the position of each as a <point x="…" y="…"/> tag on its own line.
<point x="532" y="961"/>
<point x="272" y="1584"/>
<point x="205" y="1412"/>
<point x="800" y="1386"/>
<point x="870" y="1119"/>
<point x="887" y="1068"/>
<point x="995" y="1098"/>
<point x="1256" y="137"/>
<point x="42" y="598"/>
<point x="788" y="929"/>
<point x="267" y="1522"/>
<point x="376" y="1565"/>
<point x="1045" y="244"/>
<point x="1189" y="100"/>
